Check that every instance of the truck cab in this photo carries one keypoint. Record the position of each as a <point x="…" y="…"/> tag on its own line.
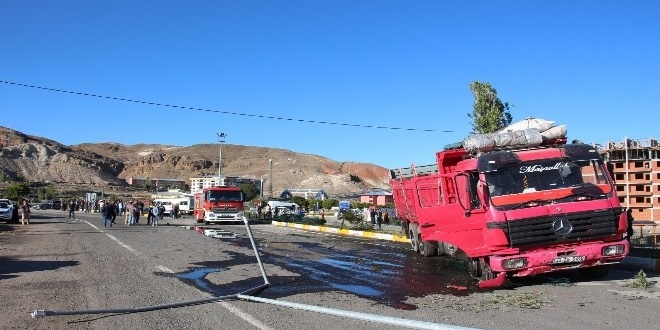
<point x="219" y="204"/>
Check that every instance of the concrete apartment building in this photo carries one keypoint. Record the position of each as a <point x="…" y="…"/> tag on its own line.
<point x="635" y="166"/>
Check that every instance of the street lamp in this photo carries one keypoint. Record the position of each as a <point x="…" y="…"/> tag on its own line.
<point x="261" y="189"/>
<point x="221" y="139"/>
<point x="270" y="182"/>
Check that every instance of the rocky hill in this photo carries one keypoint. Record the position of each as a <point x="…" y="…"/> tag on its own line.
<point x="109" y="164"/>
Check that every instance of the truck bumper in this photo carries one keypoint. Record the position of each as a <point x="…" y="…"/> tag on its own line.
<point x="559" y="258"/>
<point x="217" y="218"/>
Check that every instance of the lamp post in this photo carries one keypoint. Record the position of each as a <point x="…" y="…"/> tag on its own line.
<point x="261" y="189"/>
<point x="270" y="182"/>
<point x="221" y="140"/>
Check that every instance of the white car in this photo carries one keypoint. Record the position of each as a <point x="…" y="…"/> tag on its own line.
<point x="8" y="212"/>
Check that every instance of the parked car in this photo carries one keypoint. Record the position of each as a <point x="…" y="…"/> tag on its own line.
<point x="49" y="205"/>
<point x="8" y="211"/>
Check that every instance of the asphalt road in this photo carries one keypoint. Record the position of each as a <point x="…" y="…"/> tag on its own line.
<point x="58" y="264"/>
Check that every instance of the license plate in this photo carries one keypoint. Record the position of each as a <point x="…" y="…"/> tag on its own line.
<point x="568" y="259"/>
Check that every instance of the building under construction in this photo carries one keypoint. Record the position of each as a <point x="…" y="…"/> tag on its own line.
<point x="635" y="166"/>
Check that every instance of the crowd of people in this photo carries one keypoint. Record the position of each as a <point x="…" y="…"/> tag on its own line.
<point x="131" y="211"/>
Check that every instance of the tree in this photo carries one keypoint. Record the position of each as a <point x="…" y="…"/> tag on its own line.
<point x="489" y="113"/>
<point x="50" y="192"/>
<point x="251" y="192"/>
<point x="329" y="203"/>
<point x="15" y="191"/>
<point x="301" y="201"/>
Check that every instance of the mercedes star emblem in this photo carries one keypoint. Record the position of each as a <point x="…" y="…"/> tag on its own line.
<point x="562" y="227"/>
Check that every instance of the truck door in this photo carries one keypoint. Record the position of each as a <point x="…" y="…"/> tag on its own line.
<point x="466" y="229"/>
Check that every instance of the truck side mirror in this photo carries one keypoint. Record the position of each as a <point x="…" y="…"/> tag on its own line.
<point x="463" y="192"/>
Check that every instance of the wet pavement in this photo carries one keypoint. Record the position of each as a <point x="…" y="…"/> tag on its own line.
<point x="387" y="275"/>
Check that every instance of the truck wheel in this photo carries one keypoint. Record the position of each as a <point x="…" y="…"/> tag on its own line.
<point x="596" y="272"/>
<point x="449" y="249"/>
<point x="414" y="237"/>
<point x="426" y="248"/>
<point x="480" y="270"/>
<point x="475" y="267"/>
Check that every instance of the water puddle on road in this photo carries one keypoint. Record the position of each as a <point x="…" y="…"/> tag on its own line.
<point x="197" y="276"/>
<point x="384" y="275"/>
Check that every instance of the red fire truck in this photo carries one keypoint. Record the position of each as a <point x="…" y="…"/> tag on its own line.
<point x="514" y="211"/>
<point x="219" y="204"/>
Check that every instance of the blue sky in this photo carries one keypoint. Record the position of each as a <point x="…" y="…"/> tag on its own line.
<point x="592" y="65"/>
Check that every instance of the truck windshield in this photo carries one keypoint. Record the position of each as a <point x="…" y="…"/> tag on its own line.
<point x="225" y="196"/>
<point x="528" y="178"/>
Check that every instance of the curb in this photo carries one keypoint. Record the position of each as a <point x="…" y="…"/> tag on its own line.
<point x="646" y="264"/>
<point x="347" y="232"/>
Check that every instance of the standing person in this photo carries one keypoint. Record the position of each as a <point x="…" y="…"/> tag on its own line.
<point x="149" y="214"/>
<point x="136" y="212"/>
<point x="161" y="211"/>
<point x="72" y="209"/>
<point x="372" y="215"/>
<point x="114" y="211"/>
<point x="175" y="210"/>
<point x="25" y="212"/>
<point x="155" y="215"/>
<point x="129" y="217"/>
<point x="106" y="212"/>
<point x="379" y="218"/>
<point x="386" y="217"/>
<point x="269" y="213"/>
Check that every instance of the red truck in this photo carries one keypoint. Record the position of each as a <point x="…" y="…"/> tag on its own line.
<point x="219" y="204"/>
<point x="514" y="211"/>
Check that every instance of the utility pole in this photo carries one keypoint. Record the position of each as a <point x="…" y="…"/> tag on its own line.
<point x="221" y="140"/>
<point x="261" y="189"/>
<point x="270" y="182"/>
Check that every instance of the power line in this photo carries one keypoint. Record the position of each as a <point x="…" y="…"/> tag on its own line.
<point x="220" y="111"/>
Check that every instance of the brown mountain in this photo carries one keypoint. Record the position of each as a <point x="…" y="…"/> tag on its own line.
<point x="109" y="164"/>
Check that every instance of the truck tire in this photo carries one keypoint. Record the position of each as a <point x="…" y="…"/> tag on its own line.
<point x="414" y="236"/>
<point x="480" y="270"/>
<point x="449" y="249"/>
<point x="426" y="248"/>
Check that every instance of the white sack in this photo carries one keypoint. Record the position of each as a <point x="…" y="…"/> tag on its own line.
<point x="486" y="142"/>
<point x="527" y="137"/>
<point x="530" y="122"/>
<point x="556" y="132"/>
<point x="477" y="142"/>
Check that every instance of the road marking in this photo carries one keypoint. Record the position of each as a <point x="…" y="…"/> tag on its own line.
<point x="233" y="309"/>
<point x="127" y="247"/>
<point x="164" y="269"/>
<point x="245" y="316"/>
<point x="122" y="244"/>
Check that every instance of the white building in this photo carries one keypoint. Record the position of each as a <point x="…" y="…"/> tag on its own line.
<point x="197" y="184"/>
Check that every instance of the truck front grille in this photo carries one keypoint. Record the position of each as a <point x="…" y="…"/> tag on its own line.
<point x="225" y="210"/>
<point x="585" y="226"/>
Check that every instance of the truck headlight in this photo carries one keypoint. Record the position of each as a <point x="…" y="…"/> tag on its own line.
<point x="613" y="250"/>
<point x="514" y="263"/>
